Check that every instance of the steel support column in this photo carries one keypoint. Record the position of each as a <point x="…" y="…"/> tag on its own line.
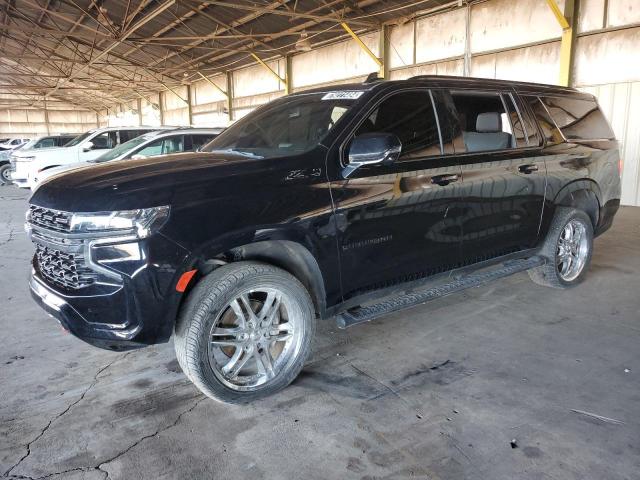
<point x="567" y="21"/>
<point x="230" y="96"/>
<point x="46" y="117"/>
<point x="385" y="51"/>
<point x="288" y="75"/>
<point x="139" y="104"/>
<point x="160" y="108"/>
<point x="189" y="106"/>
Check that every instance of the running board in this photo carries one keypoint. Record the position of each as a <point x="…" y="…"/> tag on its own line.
<point x="419" y="296"/>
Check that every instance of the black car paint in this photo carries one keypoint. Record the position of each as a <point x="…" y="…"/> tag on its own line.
<point x="381" y="226"/>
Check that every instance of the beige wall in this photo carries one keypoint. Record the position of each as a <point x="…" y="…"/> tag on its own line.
<point x="31" y="123"/>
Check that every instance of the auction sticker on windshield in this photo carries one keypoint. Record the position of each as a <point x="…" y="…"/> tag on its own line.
<point x="343" y="95"/>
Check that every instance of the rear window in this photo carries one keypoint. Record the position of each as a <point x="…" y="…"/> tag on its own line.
<point x="578" y="119"/>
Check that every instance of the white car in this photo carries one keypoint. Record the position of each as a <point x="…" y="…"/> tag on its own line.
<point x="11" y="143"/>
<point x="49" y="141"/>
<point x="150" y="144"/>
<point x="88" y="146"/>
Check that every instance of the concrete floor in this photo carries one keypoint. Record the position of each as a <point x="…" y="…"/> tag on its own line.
<point x="435" y="392"/>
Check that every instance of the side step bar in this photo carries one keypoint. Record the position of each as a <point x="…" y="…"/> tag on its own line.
<point x="419" y="296"/>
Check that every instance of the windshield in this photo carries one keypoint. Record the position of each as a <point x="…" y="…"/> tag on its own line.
<point x="79" y="139"/>
<point x="28" y="145"/>
<point x="123" y="148"/>
<point x="290" y="126"/>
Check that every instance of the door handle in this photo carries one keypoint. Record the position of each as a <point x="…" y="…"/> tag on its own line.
<point x="529" y="168"/>
<point x="445" y="179"/>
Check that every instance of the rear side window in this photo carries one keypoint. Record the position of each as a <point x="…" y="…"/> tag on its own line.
<point x="62" y="141"/>
<point x="198" y="140"/>
<point x="578" y="119"/>
<point x="485" y="123"/>
<point x="411" y="117"/>
<point x="126" y="135"/>
<point x="549" y="130"/>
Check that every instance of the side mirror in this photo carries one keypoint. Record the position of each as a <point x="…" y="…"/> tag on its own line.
<point x="87" y="146"/>
<point x="138" y="156"/>
<point x="372" y="149"/>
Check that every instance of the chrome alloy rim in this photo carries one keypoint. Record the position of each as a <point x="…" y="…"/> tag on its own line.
<point x="255" y="337"/>
<point x="6" y="175"/>
<point x="573" y="248"/>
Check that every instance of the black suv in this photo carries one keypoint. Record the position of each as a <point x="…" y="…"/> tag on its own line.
<point x="346" y="202"/>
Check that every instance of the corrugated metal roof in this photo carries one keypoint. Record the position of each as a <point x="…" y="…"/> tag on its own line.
<point x="98" y="53"/>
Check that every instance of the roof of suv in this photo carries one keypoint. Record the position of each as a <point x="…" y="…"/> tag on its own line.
<point x="455" y="82"/>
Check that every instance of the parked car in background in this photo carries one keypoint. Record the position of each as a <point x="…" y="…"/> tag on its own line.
<point x="346" y="202"/>
<point x="49" y="141"/>
<point x="152" y="144"/>
<point x="88" y="146"/>
<point x="12" y="143"/>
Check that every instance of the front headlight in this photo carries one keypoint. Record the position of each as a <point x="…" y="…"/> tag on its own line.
<point x="141" y="223"/>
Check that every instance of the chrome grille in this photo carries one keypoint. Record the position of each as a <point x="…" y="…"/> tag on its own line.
<point x="64" y="269"/>
<point x="50" y="219"/>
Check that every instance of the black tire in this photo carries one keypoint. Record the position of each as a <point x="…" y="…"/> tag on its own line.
<point x="205" y="305"/>
<point x="4" y="172"/>
<point x="549" y="275"/>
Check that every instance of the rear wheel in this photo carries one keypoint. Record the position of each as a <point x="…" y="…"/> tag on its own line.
<point x="244" y="332"/>
<point x="567" y="248"/>
<point x="5" y="175"/>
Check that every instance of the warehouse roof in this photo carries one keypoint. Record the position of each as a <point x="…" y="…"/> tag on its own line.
<point x="95" y="53"/>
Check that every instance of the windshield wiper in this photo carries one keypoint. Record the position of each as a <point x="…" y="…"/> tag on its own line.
<point x="238" y="152"/>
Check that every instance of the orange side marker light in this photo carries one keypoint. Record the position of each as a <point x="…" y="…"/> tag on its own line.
<point x="185" y="278"/>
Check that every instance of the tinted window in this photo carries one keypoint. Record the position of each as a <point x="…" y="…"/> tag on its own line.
<point x="103" y="141"/>
<point x="45" y="143"/>
<point x="80" y="138"/>
<point x="173" y="145"/>
<point x="484" y="123"/>
<point x="126" y="135"/>
<point x="551" y="133"/>
<point x="198" y="140"/>
<point x="578" y="119"/>
<point x="410" y="116"/>
<point x="61" y="141"/>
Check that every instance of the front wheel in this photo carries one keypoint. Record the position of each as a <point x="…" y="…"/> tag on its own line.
<point x="244" y="332"/>
<point x="567" y="248"/>
<point x="5" y="174"/>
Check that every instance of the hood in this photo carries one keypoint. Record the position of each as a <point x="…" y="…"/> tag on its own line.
<point x="36" y="152"/>
<point x="131" y="184"/>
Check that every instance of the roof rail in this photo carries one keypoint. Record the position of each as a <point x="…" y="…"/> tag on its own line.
<point x="494" y="81"/>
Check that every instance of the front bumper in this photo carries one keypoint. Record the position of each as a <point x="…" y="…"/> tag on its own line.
<point x="110" y="336"/>
<point x="134" y="308"/>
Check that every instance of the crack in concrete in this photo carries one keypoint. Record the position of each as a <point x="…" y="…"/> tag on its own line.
<point x="57" y="416"/>
<point x="11" y="237"/>
<point x="100" y="466"/>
